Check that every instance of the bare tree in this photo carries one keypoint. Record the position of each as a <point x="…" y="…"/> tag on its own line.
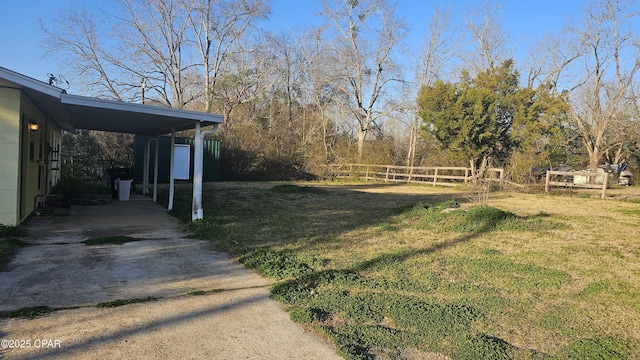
<point x="367" y="35"/>
<point x="606" y="59"/>
<point x="75" y="40"/>
<point x="300" y="129"/>
<point x="318" y="91"/>
<point x="153" y="45"/>
<point x="490" y="40"/>
<point x="290" y="71"/>
<point x="179" y="48"/>
<point x="148" y="41"/>
<point x="438" y="51"/>
<point x="218" y="27"/>
<point x="250" y="72"/>
<point x="549" y="58"/>
<point x="623" y="135"/>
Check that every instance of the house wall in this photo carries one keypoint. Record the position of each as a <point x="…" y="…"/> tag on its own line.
<point x="9" y="155"/>
<point x="34" y="162"/>
<point x="25" y="166"/>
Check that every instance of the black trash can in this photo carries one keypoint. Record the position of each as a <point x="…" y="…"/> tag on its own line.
<point x="119" y="173"/>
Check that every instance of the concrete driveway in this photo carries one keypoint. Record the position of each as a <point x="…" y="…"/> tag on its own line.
<point x="232" y="316"/>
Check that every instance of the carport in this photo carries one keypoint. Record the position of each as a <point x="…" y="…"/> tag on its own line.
<point x="73" y="112"/>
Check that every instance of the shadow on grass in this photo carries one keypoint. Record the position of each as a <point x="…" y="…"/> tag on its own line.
<point x="384" y="259"/>
<point x="237" y="219"/>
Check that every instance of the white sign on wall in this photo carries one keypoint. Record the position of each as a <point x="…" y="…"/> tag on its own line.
<point x="181" y="161"/>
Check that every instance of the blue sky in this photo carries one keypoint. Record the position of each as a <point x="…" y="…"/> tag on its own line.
<point x="22" y="40"/>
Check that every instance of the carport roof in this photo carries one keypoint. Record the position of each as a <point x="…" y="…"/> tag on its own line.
<point x="80" y="112"/>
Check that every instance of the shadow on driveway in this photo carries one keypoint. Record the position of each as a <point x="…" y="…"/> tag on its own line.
<point x="234" y="319"/>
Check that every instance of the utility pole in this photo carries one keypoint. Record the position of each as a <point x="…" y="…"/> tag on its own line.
<point x="142" y="86"/>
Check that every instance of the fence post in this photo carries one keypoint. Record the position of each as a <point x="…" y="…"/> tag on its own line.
<point x="604" y="185"/>
<point x="546" y="185"/>
<point x="435" y="177"/>
<point x="386" y="177"/>
<point x="410" y="173"/>
<point x="366" y="173"/>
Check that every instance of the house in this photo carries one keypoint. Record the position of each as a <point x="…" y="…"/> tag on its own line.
<point x="618" y="171"/>
<point x="32" y="117"/>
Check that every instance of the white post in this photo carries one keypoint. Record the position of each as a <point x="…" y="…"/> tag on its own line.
<point x="171" y="175"/>
<point x="197" y="212"/>
<point x="155" y="169"/>
<point x="145" y="171"/>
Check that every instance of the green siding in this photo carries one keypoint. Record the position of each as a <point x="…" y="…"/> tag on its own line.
<point x="9" y="155"/>
<point x="211" y="162"/>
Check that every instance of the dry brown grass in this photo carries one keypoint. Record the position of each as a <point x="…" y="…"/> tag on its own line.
<point x="600" y="251"/>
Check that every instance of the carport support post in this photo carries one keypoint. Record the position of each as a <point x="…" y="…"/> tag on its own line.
<point x="155" y="169"/>
<point x="171" y="175"/>
<point x="145" y="170"/>
<point x="196" y="209"/>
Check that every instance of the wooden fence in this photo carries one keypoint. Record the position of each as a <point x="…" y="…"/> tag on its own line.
<point x="435" y="175"/>
<point x="568" y="179"/>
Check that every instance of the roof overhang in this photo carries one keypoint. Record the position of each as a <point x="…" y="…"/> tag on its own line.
<point x="80" y="112"/>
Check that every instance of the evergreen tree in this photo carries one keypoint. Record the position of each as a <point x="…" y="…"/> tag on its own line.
<point x="492" y="117"/>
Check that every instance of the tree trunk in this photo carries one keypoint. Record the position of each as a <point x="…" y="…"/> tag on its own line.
<point x="362" y="134"/>
<point x="413" y="140"/>
<point x="478" y="173"/>
<point x="594" y="159"/>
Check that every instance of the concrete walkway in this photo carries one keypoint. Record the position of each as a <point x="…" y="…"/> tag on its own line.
<point x="232" y="319"/>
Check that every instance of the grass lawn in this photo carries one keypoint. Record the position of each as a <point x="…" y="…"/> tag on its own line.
<point x="414" y="271"/>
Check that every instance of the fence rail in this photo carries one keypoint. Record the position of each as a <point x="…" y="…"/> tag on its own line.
<point x="452" y="176"/>
<point x="588" y="184"/>
<point x="435" y="175"/>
